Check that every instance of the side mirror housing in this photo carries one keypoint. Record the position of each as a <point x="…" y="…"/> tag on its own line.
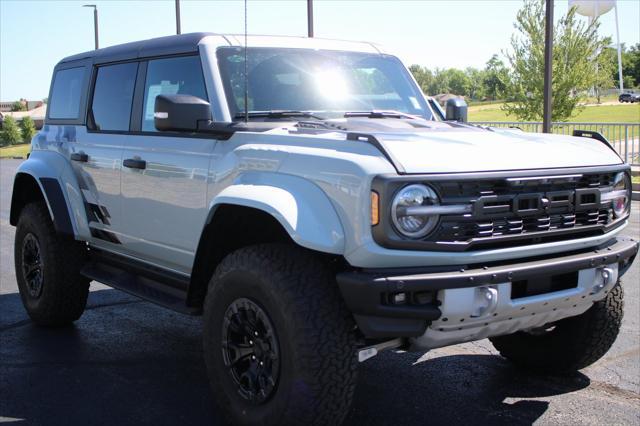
<point x="457" y="110"/>
<point x="180" y="113"/>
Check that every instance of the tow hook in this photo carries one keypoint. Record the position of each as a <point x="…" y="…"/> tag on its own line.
<point x="608" y="276"/>
<point x="371" y="351"/>
<point x="485" y="301"/>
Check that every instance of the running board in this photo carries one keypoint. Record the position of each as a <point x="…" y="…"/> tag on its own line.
<point x="144" y="287"/>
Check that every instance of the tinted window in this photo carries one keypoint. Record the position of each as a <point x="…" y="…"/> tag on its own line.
<point x="112" y="97"/>
<point x="171" y="76"/>
<point x="66" y="93"/>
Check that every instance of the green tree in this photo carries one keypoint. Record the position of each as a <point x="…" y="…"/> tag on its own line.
<point x="628" y="82"/>
<point x="496" y="78"/>
<point x="476" y="79"/>
<point x="423" y="77"/>
<point x="458" y="81"/>
<point x="27" y="128"/>
<point x="18" y="106"/>
<point x="440" y="82"/>
<point x="606" y="65"/>
<point x="10" y="133"/>
<point x="575" y="46"/>
<point x="633" y="64"/>
<point x="630" y="67"/>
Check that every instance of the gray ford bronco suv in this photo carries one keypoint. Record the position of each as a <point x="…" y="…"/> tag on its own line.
<point x="316" y="208"/>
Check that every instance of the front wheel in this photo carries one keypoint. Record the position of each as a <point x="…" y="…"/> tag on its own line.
<point x="570" y="344"/>
<point x="279" y="343"/>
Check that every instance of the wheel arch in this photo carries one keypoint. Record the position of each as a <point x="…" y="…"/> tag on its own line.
<point x="264" y="209"/>
<point x="27" y="189"/>
<point x="48" y="176"/>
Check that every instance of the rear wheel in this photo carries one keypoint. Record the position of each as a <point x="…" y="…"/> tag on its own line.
<point x="569" y="344"/>
<point x="279" y="343"/>
<point x="48" y="269"/>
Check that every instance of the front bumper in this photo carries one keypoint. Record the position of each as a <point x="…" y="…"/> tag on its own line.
<point x="370" y="294"/>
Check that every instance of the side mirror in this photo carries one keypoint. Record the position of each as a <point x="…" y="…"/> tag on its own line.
<point x="180" y="112"/>
<point x="457" y="110"/>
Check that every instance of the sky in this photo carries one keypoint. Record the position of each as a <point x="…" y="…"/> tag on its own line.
<point x="35" y="35"/>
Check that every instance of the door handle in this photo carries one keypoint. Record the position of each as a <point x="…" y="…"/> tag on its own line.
<point x="134" y="163"/>
<point x="79" y="156"/>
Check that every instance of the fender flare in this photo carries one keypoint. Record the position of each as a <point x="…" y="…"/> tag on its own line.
<point x="299" y="205"/>
<point x="60" y="190"/>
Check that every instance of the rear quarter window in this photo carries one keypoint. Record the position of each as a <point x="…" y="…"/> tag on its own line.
<point x="113" y="97"/>
<point x="64" y="102"/>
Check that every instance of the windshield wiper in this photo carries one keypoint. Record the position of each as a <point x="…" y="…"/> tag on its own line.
<point x="279" y="114"/>
<point x="378" y="114"/>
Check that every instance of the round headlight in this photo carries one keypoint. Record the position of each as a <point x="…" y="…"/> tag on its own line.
<point x="408" y="220"/>
<point x="621" y="203"/>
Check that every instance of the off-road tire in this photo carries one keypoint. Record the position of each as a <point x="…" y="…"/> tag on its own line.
<point x="574" y="343"/>
<point x="64" y="291"/>
<point x="318" y="362"/>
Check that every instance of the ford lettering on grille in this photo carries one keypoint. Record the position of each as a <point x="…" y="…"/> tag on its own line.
<point x="523" y="205"/>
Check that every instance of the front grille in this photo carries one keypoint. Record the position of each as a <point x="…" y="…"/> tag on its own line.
<point x="464" y="230"/>
<point x="504" y="209"/>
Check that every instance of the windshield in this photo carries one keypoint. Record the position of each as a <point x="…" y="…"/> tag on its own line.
<point x="331" y="82"/>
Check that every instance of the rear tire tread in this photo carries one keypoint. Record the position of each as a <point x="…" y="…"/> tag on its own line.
<point x="65" y="291"/>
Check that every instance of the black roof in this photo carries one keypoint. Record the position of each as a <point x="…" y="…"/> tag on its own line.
<point x="170" y="45"/>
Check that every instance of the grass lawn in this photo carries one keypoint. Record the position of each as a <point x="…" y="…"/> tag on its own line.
<point x="622" y="113"/>
<point x="15" y="151"/>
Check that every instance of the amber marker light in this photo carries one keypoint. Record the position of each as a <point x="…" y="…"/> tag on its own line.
<point x="375" y="212"/>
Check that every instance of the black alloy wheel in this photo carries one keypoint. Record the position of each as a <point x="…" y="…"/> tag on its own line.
<point x="32" y="265"/>
<point x="250" y="350"/>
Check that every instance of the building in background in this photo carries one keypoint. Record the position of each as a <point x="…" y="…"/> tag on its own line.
<point x="37" y="110"/>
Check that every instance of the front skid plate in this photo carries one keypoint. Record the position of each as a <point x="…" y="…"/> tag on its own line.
<point x="457" y="325"/>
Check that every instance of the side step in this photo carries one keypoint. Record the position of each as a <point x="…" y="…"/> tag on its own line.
<point x="130" y="279"/>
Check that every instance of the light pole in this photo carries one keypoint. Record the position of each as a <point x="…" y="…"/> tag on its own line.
<point x="310" y="18"/>
<point x="178" y="29"/>
<point x="95" y="22"/>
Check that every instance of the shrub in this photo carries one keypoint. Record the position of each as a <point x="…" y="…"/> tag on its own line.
<point x="28" y="129"/>
<point x="18" y="106"/>
<point x="10" y="133"/>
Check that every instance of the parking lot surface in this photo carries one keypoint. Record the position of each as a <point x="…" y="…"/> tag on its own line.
<point x="128" y="362"/>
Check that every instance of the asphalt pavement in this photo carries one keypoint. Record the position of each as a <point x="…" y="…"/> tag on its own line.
<point x="128" y="362"/>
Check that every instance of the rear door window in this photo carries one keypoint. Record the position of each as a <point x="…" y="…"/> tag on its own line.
<point x="171" y="76"/>
<point x="66" y="94"/>
<point x="113" y="97"/>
